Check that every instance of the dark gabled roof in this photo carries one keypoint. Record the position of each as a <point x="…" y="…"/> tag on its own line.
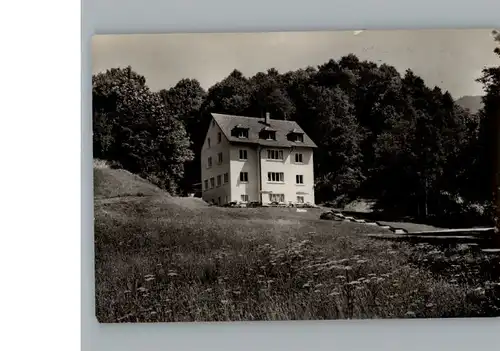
<point x="255" y="125"/>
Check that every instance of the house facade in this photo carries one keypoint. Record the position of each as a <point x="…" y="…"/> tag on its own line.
<point x="247" y="159"/>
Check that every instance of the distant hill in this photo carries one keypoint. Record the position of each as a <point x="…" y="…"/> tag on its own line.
<point x="472" y="103"/>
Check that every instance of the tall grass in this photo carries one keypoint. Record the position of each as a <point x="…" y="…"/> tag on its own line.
<point x="160" y="260"/>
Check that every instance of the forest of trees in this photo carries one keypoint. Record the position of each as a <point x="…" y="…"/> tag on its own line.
<point x="381" y="134"/>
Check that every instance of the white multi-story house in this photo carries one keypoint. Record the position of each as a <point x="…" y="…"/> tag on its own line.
<point x="247" y="159"/>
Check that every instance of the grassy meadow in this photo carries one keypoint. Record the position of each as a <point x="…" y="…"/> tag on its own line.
<point x="161" y="258"/>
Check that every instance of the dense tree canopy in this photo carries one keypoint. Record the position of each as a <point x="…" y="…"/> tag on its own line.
<point x="381" y="134"/>
<point x="133" y="127"/>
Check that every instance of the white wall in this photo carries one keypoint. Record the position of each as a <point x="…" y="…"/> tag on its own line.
<point x="251" y="166"/>
<point x="290" y="169"/>
<point x="224" y="191"/>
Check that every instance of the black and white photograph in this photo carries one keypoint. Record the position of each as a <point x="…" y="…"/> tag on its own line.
<point x="319" y="175"/>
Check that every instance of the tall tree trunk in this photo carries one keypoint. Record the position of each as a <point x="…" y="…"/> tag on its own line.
<point x="425" y="199"/>
<point x="496" y="176"/>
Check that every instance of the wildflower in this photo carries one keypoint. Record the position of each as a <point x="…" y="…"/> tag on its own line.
<point x="306" y="285"/>
<point x="317" y="291"/>
<point x="318" y="285"/>
<point x="410" y="314"/>
<point x="348" y="268"/>
<point x="142" y="289"/>
<point x="224" y="302"/>
<point x="172" y="274"/>
<point x="334" y="293"/>
<point x="340" y="277"/>
<point x="361" y="261"/>
<point x="429" y="305"/>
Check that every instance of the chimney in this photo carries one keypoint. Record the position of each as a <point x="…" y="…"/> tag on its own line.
<point x="267" y="118"/>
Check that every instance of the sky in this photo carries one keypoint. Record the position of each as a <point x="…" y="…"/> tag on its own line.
<point x="450" y="59"/>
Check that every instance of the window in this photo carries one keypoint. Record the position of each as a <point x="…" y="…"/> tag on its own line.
<point x="276" y="197"/>
<point x="243" y="176"/>
<point x="275" y="177"/>
<point x="242" y="133"/>
<point x="244" y="198"/>
<point x="212" y="182"/>
<point x="219" y="180"/>
<point x="298" y="158"/>
<point x="219" y="157"/>
<point x="299" y="138"/>
<point x="300" y="199"/>
<point x="209" y="162"/>
<point x="226" y="178"/>
<point x="208" y="142"/>
<point x="206" y="184"/>
<point x="243" y="155"/>
<point x="268" y="135"/>
<point x="275" y="154"/>
<point x="219" y="138"/>
<point x="219" y="200"/>
<point x="299" y="179"/>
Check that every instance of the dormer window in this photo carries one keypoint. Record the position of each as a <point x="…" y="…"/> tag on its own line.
<point x="296" y="135"/>
<point x="267" y="134"/>
<point x="271" y="136"/>
<point x="240" y="131"/>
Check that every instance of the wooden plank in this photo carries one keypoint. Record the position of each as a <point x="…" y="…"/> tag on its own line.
<point x="495" y="251"/>
<point x="452" y="230"/>
<point x="409" y="237"/>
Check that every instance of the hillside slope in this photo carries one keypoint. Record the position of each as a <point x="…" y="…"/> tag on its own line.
<point x="472" y="103"/>
<point x="109" y="183"/>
